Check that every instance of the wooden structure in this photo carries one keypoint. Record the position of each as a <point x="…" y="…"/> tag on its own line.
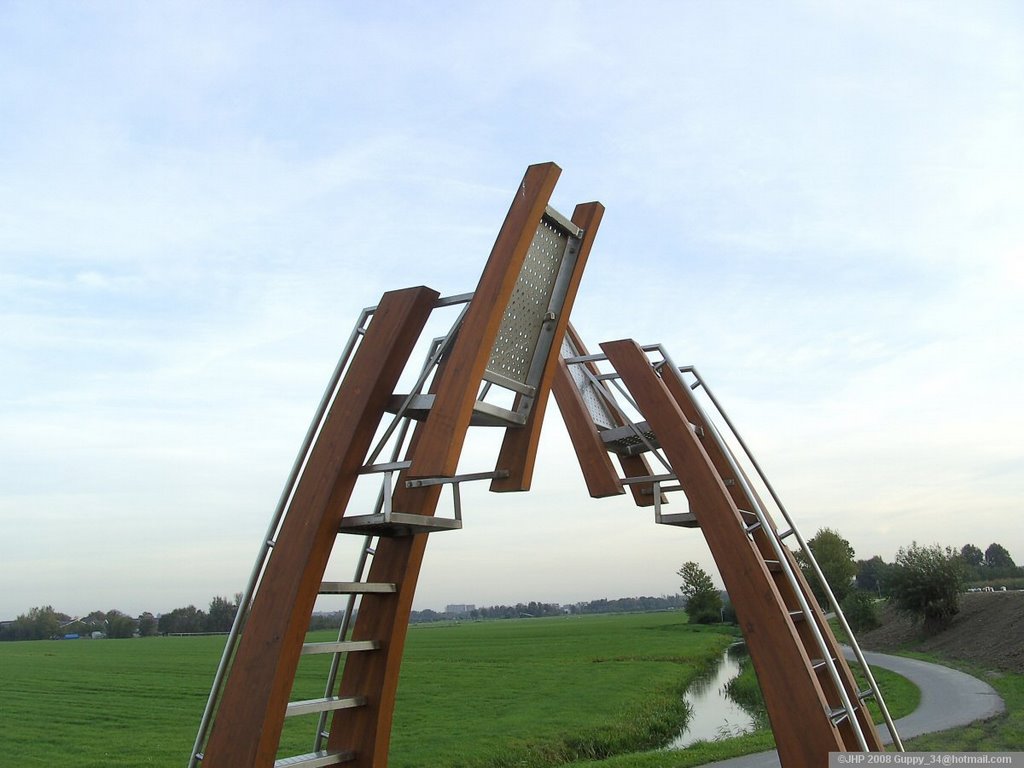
<point x="494" y="367"/>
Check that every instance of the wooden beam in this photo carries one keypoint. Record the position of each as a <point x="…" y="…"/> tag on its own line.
<point x="595" y="463"/>
<point x="518" y="453"/>
<point x="445" y="427"/>
<point x="248" y="722"/>
<point x="687" y="403"/>
<point x="804" y="734"/>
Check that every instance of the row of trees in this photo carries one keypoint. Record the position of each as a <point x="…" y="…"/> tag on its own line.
<point x="534" y="608"/>
<point x="44" y="623"/>
<point x="923" y="581"/>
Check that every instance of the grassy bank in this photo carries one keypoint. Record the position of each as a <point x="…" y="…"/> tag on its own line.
<point x="901" y="696"/>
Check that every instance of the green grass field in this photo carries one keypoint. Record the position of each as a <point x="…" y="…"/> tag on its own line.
<point x="529" y="693"/>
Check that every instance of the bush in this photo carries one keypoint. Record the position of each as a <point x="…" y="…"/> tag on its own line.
<point x="703" y="601"/>
<point x="926" y="583"/>
<point x="860" y="611"/>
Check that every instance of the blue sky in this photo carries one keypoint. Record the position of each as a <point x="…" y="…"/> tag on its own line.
<point x="819" y="204"/>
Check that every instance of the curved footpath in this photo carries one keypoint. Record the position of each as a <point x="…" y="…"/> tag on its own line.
<point x="949" y="698"/>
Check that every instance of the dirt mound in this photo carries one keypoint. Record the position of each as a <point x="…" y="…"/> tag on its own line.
<point x="988" y="631"/>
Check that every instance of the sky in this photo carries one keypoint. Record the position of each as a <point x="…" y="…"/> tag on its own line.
<point x="818" y="204"/>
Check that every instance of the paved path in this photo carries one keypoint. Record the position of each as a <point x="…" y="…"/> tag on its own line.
<point x="948" y="698"/>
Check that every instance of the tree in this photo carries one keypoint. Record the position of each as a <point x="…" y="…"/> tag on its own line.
<point x="835" y="558"/>
<point x="119" y="625"/>
<point x="859" y="610"/>
<point x="185" y="620"/>
<point x="147" y="625"/>
<point x="996" y="556"/>
<point x="926" y="583"/>
<point x="221" y="615"/>
<point x="871" y="575"/>
<point x="39" y="623"/>
<point x="703" y="601"/>
<point x="972" y="555"/>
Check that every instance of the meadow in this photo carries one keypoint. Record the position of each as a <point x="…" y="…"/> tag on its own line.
<point x="525" y="692"/>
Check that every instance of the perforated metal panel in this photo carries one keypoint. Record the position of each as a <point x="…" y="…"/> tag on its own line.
<point x="591" y="398"/>
<point x="516" y="342"/>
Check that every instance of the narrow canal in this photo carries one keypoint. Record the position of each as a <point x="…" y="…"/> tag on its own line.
<point x="713" y="714"/>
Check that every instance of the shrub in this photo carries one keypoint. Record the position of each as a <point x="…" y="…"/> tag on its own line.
<point x="860" y="611"/>
<point x="926" y="583"/>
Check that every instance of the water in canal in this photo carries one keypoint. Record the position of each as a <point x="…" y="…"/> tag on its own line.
<point x="713" y="715"/>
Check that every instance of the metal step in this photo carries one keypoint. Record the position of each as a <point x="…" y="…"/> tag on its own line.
<point x="774" y="566"/>
<point x="397" y="524"/>
<point x="316" y="759"/>
<point x="681" y="519"/>
<point x="309" y="706"/>
<point x="341" y="646"/>
<point x="798" y="616"/>
<point x="354" y="588"/>
<point x="625" y="441"/>
<point x="484" y="414"/>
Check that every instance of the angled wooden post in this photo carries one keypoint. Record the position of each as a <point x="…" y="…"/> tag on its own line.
<point x="595" y="462"/>
<point x="251" y="713"/>
<point x="519" y="448"/>
<point x="445" y="429"/>
<point x="738" y="490"/>
<point x="804" y="734"/>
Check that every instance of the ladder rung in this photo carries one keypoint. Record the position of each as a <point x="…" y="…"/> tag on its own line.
<point x="748" y="513"/>
<point x="342" y="646"/>
<point x="353" y="587"/>
<point x="797" y="616"/>
<point x="309" y="706"/>
<point x="784" y="534"/>
<point x="752" y="527"/>
<point x="817" y="664"/>
<point x="867" y="693"/>
<point x="837" y="715"/>
<point x="773" y="565"/>
<point x="316" y="759"/>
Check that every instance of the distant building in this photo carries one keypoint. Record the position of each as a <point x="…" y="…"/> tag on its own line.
<point x="459" y="609"/>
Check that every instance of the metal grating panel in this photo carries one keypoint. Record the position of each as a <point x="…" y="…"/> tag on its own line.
<point x="516" y="342"/>
<point x="591" y="398"/>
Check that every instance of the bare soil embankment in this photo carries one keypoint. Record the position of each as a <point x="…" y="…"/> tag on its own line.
<point x="988" y="631"/>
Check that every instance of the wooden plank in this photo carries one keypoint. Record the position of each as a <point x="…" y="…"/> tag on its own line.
<point x="687" y="402"/>
<point x="518" y="452"/>
<point x="794" y="699"/>
<point x="445" y="427"/>
<point x="595" y="463"/>
<point x="248" y="722"/>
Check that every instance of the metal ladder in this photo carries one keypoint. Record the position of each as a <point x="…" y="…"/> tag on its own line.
<point x="617" y="425"/>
